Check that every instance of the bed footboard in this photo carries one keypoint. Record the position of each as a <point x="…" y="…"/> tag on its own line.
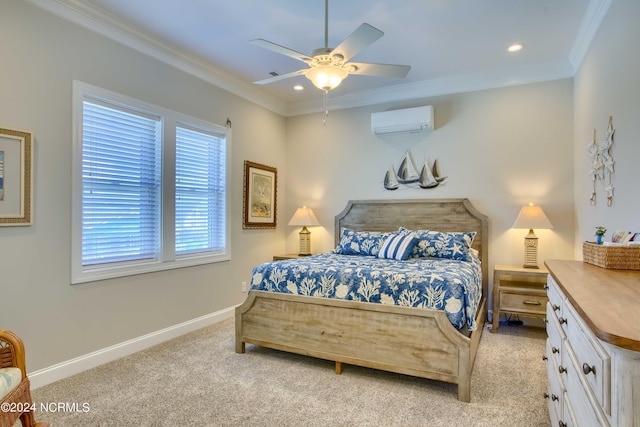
<point x="363" y="334"/>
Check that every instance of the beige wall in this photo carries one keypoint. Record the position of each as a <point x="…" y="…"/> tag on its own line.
<point x="608" y="84"/>
<point x="41" y="55"/>
<point x="500" y="148"/>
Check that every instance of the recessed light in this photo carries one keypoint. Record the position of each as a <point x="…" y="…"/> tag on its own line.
<point x="516" y="47"/>
<point x="298" y="87"/>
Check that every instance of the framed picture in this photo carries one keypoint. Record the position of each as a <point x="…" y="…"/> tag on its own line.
<point x="16" y="175"/>
<point x="260" y="186"/>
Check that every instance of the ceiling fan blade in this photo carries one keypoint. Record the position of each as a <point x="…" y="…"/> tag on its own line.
<point x="281" y="49"/>
<point x="362" y="37"/>
<point x="280" y="77"/>
<point x="380" y="70"/>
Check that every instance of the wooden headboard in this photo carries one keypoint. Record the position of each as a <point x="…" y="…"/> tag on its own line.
<point x="419" y="214"/>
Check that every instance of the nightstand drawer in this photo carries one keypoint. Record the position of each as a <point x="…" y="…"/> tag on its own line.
<point x="519" y="302"/>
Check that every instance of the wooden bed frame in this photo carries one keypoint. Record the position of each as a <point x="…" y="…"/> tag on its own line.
<point x="404" y="340"/>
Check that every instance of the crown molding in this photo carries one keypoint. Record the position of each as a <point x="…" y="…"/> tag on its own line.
<point x="441" y="86"/>
<point x="106" y="24"/>
<point x="593" y="17"/>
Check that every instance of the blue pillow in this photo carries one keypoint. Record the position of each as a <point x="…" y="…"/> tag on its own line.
<point x="440" y="244"/>
<point x="361" y="242"/>
<point x="397" y="247"/>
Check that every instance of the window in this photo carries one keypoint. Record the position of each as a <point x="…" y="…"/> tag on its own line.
<point x="200" y="191"/>
<point x="150" y="188"/>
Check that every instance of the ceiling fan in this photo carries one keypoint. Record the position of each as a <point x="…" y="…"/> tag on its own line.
<point x="329" y="66"/>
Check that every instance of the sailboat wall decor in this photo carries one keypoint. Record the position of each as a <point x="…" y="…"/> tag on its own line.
<point x="407" y="174"/>
<point x="391" y="179"/>
<point x="435" y="171"/>
<point x="427" y="180"/>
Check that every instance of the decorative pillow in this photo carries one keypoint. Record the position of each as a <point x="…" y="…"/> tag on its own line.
<point x="440" y="244"/>
<point x="397" y="247"/>
<point x="361" y="242"/>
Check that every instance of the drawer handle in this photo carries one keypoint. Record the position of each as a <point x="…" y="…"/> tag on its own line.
<point x="562" y="320"/>
<point x="562" y="424"/>
<point x="588" y="369"/>
<point x="545" y="358"/>
<point x="532" y="302"/>
<point x="562" y="369"/>
<point x="546" y="286"/>
<point x="554" y="398"/>
<point x="555" y="350"/>
<point x="555" y="307"/>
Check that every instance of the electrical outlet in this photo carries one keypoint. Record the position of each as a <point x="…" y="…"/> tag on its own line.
<point x="244" y="286"/>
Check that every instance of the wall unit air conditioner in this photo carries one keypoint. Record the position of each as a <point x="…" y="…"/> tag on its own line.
<point x="418" y="119"/>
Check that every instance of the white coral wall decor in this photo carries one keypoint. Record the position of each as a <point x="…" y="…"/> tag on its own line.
<point x="602" y="164"/>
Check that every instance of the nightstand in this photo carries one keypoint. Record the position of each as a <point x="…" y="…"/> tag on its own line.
<point x="519" y="290"/>
<point x="287" y="256"/>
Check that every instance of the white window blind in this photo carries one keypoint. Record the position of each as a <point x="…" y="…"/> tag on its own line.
<point x="200" y="191"/>
<point x="149" y="187"/>
<point x="121" y="185"/>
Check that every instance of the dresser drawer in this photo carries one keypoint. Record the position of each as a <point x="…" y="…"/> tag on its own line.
<point x="568" y="415"/>
<point x="555" y="334"/>
<point x="555" y="295"/>
<point x="555" y="390"/>
<point x="520" y="302"/>
<point x="592" y="360"/>
<point x="587" y="410"/>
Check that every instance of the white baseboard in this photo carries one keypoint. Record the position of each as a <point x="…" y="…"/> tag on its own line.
<point x="74" y="366"/>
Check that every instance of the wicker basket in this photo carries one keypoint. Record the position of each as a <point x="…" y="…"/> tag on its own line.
<point x="611" y="257"/>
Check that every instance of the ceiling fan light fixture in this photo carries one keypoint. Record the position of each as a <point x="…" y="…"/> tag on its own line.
<point x="326" y="77"/>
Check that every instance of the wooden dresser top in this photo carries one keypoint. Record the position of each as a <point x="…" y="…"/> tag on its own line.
<point x="607" y="300"/>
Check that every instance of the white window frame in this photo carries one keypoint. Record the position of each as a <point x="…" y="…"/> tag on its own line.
<point x="167" y="258"/>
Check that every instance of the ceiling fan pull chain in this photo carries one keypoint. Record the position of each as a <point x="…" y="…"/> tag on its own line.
<point x="326" y="110"/>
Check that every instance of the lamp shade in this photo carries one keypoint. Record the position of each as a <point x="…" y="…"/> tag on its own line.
<point x="532" y="217"/>
<point x="304" y="217"/>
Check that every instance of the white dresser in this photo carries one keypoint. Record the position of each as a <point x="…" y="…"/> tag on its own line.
<point x="593" y="345"/>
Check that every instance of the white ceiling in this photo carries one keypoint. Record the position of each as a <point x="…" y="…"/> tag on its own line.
<point x="451" y="45"/>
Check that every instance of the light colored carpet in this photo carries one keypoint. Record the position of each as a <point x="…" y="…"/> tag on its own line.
<point x="198" y="379"/>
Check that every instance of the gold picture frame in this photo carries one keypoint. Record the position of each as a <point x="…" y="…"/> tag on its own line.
<point x="16" y="177"/>
<point x="260" y="196"/>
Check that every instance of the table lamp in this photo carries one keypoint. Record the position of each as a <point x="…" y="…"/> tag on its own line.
<point x="304" y="217"/>
<point x="531" y="217"/>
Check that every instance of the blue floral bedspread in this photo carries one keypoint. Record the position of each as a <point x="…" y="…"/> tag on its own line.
<point x="443" y="284"/>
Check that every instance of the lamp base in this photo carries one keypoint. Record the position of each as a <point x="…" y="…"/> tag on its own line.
<point x="305" y="242"/>
<point x="530" y="250"/>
